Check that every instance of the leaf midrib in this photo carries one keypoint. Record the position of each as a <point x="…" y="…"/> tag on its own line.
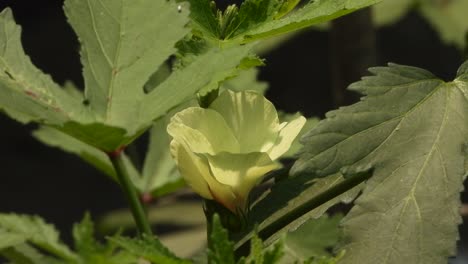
<point x="112" y="64"/>
<point x="411" y="193"/>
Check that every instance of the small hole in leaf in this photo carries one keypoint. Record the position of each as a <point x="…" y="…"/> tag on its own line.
<point x="86" y="102"/>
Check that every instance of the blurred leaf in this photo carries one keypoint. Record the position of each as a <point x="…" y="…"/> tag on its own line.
<point x="389" y="12"/>
<point x="169" y="213"/>
<point x="9" y="239"/>
<point x="149" y="248"/>
<point x="261" y="255"/>
<point x="313" y="238"/>
<point x="187" y="242"/>
<point x="246" y="80"/>
<point x="268" y="45"/>
<point x="410" y="128"/>
<point x="448" y="18"/>
<point x="36" y="231"/>
<point x="159" y="172"/>
<point x="26" y="254"/>
<point x="220" y="248"/>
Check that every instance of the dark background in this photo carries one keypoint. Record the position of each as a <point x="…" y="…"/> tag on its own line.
<point x="36" y="179"/>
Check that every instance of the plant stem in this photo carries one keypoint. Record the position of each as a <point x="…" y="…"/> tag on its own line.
<point x="314" y="202"/>
<point x="130" y="193"/>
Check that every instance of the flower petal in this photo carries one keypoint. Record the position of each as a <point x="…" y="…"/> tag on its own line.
<point x="192" y="169"/>
<point x="252" y="118"/>
<point x="196" y="173"/>
<point x="240" y="171"/>
<point x="286" y="136"/>
<point x="202" y="131"/>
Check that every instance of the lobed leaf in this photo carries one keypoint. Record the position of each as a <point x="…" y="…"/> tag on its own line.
<point x="411" y="128"/>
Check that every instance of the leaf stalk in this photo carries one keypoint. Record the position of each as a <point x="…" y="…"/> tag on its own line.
<point x="130" y="193"/>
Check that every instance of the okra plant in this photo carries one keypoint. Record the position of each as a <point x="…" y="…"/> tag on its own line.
<point x="183" y="74"/>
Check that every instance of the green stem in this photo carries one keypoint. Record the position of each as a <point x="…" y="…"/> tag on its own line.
<point x="130" y="193"/>
<point x="306" y="207"/>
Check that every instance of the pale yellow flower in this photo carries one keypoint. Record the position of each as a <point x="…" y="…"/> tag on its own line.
<point x="223" y="151"/>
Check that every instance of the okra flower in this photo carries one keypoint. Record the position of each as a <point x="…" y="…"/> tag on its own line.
<point x="224" y="150"/>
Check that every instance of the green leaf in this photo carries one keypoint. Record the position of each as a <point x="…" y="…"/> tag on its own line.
<point x="411" y="128"/>
<point x="123" y="45"/>
<point x="313" y="238"/>
<point x="203" y="18"/>
<point x="35" y="230"/>
<point x="27" y="94"/>
<point x="221" y="249"/>
<point x="149" y="248"/>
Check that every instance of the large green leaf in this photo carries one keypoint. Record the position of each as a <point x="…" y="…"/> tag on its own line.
<point x="123" y="45"/>
<point x="411" y="128"/>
